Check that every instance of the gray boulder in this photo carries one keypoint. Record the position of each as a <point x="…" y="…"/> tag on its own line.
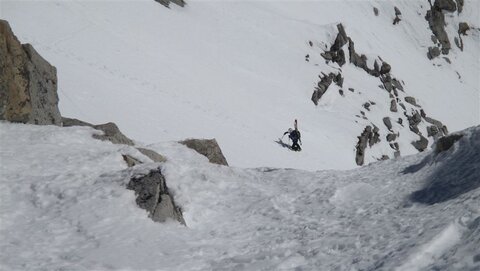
<point x="152" y="155"/>
<point x="28" y="83"/>
<point x="420" y="144"/>
<point x="463" y="28"/>
<point x="433" y="52"/>
<point x="110" y="131"/>
<point x="208" y="148"/>
<point x="367" y="137"/>
<point x="436" y="22"/>
<point x="375" y="11"/>
<point x="447" y="5"/>
<point x="340" y="40"/>
<point x="153" y="195"/>
<point x="411" y="100"/>
<point x="393" y="105"/>
<point x="387" y="123"/>
<point x="446" y="142"/>
<point x="385" y="68"/>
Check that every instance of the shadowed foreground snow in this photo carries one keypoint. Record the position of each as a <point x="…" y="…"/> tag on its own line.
<point x="64" y="205"/>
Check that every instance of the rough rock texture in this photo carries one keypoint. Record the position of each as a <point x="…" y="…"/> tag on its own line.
<point x="322" y="86"/>
<point x="208" y="148"/>
<point x="436" y="22"/>
<point x="393" y="106"/>
<point x="446" y="142"/>
<point x="166" y="3"/>
<point x="433" y="52"/>
<point x="368" y="136"/>
<point x="28" y="83"/>
<point x="420" y="144"/>
<point x="387" y="123"/>
<point x="112" y="134"/>
<point x="411" y="100"/>
<point x="152" y="155"/>
<point x="110" y="130"/>
<point x="130" y="160"/>
<point x="463" y="28"/>
<point x="153" y="195"/>
<point x="459" y="5"/>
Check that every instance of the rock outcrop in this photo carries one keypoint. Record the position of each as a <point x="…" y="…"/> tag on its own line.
<point x="208" y="148"/>
<point x="153" y="195"/>
<point x="110" y="131"/>
<point x="446" y="142"/>
<point x="166" y="3"/>
<point x="28" y="83"/>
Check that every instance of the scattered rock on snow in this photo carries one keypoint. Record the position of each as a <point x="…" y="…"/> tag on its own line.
<point x="387" y="123"/>
<point x="375" y="11"/>
<point x="433" y="52"/>
<point x="28" y="83"/>
<point x="110" y="131"/>
<point x="463" y="28"/>
<point x="208" y="148"/>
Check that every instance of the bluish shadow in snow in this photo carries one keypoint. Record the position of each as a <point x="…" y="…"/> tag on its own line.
<point x="457" y="171"/>
<point x="281" y="143"/>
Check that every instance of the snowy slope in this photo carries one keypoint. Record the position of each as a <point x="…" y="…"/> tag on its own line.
<point x="64" y="206"/>
<point x="236" y="71"/>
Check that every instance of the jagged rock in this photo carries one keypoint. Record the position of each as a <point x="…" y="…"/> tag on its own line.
<point x="458" y="42"/>
<point x="153" y="195"/>
<point x="402" y="106"/>
<point x="28" y="83"/>
<point x="110" y="131"/>
<point x="375" y="11"/>
<point x="208" y="148"/>
<point x="413" y="121"/>
<point x="338" y="79"/>
<point x="433" y="52"/>
<point x="432" y="131"/>
<point x="411" y="100"/>
<point x="387" y="123"/>
<point x="366" y="106"/>
<point x="386" y="68"/>
<point x="152" y="155"/>
<point x="375" y="137"/>
<point x="391" y="137"/>
<point x="166" y="3"/>
<point x="362" y="144"/>
<point x="396" y="20"/>
<point x="340" y="91"/>
<point x="436" y="22"/>
<point x="463" y="28"/>
<point x="322" y="87"/>
<point x="447" y="5"/>
<point x="112" y="134"/>
<point x="131" y="161"/>
<point x="420" y="144"/>
<point x="446" y="142"/>
<point x="339" y="58"/>
<point x="459" y="5"/>
<point x="384" y="157"/>
<point x="393" y="106"/>
<point x="340" y="40"/>
<point x="395" y="146"/>
<point x="397" y="11"/>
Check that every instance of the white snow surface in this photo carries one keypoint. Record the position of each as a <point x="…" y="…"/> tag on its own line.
<point x="236" y="71"/>
<point x="64" y="206"/>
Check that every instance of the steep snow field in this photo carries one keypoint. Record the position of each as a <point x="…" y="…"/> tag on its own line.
<point x="236" y="71"/>
<point x="64" y="206"/>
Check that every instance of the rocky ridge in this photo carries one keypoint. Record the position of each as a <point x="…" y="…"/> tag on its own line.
<point x="407" y="114"/>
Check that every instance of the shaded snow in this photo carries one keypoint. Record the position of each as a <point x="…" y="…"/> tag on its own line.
<point x="63" y="204"/>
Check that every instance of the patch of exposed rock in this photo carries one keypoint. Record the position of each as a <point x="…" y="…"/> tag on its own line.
<point x="153" y="195"/>
<point x="28" y="83"/>
<point x="110" y="131"/>
<point x="166" y="3"/>
<point x="208" y="148"/>
<point x="368" y="137"/>
<point x="446" y="142"/>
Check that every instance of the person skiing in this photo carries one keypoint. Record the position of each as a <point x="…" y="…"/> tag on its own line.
<point x="294" y="135"/>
